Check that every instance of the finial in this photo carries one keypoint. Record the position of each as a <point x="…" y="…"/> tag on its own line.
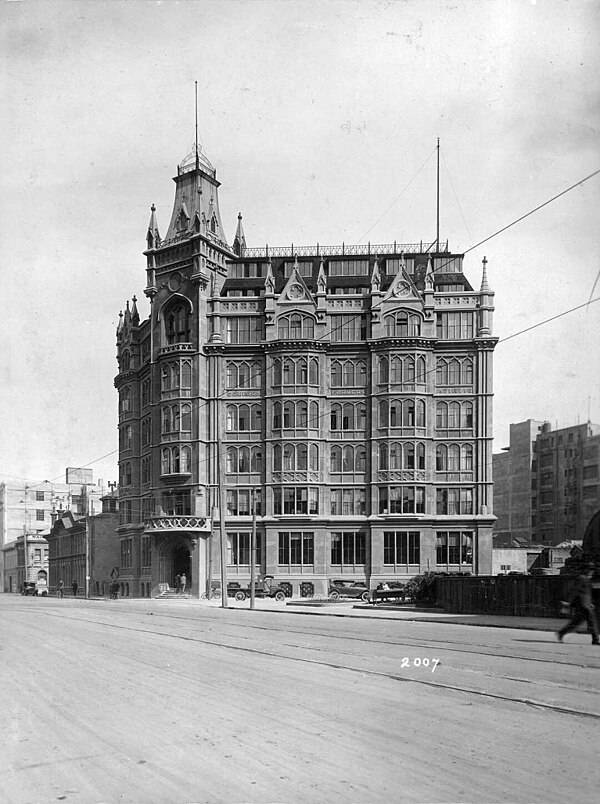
<point x="484" y="279"/>
<point x="153" y="208"/>
<point x="239" y="216"/>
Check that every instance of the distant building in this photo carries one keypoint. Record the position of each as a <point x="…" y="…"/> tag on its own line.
<point x="25" y="560"/>
<point x="28" y="506"/>
<point x="351" y="387"/>
<point x="547" y="484"/>
<point x="515" y="559"/>
<point x="84" y="547"/>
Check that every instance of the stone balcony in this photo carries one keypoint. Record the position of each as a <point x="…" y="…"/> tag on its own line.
<point x="196" y="524"/>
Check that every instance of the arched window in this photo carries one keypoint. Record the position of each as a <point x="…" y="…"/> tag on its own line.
<point x="288" y="458"/>
<point x="383" y="456"/>
<point x="441" y="458"/>
<point x="175" y="460"/>
<point x="348" y="378"/>
<point x="421" y="370"/>
<point x="395" y="413"/>
<point x="409" y="369"/>
<point x="178" y="323"/>
<point x="302" y="457"/>
<point x="453" y="415"/>
<point x="243" y="418"/>
<point x="313" y="373"/>
<point x="295" y="326"/>
<point x="441" y="415"/>
<point x="174" y="375"/>
<point x="420" y="407"/>
<point x="256" y="460"/>
<point x="302" y="414"/>
<point x="231" y="460"/>
<point x="186" y="374"/>
<point x="402" y="325"/>
<point x="166" y="419"/>
<point x="409" y="456"/>
<point x="395" y="456"/>
<point x="454" y="372"/>
<point x="176" y="419"/>
<point x="165" y="462"/>
<point x="125" y="361"/>
<point x="232" y="418"/>
<point x="396" y="370"/>
<point x="277" y="416"/>
<point x="420" y="456"/>
<point x="408" y="413"/>
<point x="243" y="375"/>
<point x="302" y="371"/>
<point x="360" y="459"/>
<point x="288" y="414"/>
<point x="384" y="374"/>
<point x="186" y="417"/>
<point x="466" y="458"/>
<point x="314" y="457"/>
<point x="348" y="459"/>
<point x="453" y="458"/>
<point x="336" y="459"/>
<point x="277" y="372"/>
<point x="288" y="372"/>
<point x="336" y="374"/>
<point x="313" y="418"/>
<point x="441" y="372"/>
<point x="383" y="414"/>
<point x="277" y="458"/>
<point x="467" y="415"/>
<point x="467" y="373"/>
<point x="348" y="416"/>
<point x="244" y="460"/>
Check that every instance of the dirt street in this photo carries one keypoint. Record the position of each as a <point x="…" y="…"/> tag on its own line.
<point x="159" y="703"/>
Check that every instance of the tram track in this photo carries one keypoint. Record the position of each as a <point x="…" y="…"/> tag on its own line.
<point x="273" y="654"/>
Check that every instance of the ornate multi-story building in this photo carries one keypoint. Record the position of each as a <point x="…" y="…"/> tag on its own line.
<point x="343" y="393"/>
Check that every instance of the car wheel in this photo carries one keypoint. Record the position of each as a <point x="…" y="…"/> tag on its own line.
<point x="240" y="596"/>
<point x="335" y="595"/>
<point x="44" y="594"/>
<point x="279" y="596"/>
<point x="364" y="597"/>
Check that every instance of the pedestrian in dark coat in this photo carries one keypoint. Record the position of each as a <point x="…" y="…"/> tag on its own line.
<point x="75" y="587"/>
<point x="177" y="582"/>
<point x="60" y="589"/>
<point x="582" y="607"/>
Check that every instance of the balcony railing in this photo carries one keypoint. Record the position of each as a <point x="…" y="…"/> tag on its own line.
<point x="176" y="523"/>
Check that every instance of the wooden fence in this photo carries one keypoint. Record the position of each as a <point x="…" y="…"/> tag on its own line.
<point x="525" y="596"/>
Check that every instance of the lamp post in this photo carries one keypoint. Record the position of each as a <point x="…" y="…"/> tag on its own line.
<point x="25" y="546"/>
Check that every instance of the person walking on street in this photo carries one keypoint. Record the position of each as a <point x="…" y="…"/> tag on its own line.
<point x="74" y="587"/>
<point x="114" y="590"/>
<point x="582" y="607"/>
<point x="60" y="590"/>
<point x="177" y="582"/>
<point x="182" y="583"/>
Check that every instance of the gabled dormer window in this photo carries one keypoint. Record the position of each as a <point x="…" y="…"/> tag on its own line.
<point x="178" y="324"/>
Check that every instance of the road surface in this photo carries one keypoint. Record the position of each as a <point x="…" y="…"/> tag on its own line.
<point x="158" y="702"/>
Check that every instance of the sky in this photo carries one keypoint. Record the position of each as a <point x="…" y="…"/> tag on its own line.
<point x="322" y="120"/>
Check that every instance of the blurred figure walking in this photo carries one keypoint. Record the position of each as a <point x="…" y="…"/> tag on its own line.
<point x="582" y="607"/>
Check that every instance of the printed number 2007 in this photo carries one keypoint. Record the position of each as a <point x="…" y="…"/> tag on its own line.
<point x="417" y="662"/>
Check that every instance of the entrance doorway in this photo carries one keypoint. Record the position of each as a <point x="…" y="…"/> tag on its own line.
<point x="182" y="565"/>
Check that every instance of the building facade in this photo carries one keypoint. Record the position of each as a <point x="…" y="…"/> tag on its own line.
<point x="343" y="394"/>
<point x="26" y="560"/>
<point x="85" y="549"/>
<point x="547" y="484"/>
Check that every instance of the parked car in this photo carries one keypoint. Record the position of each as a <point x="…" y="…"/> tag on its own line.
<point x="352" y="589"/>
<point x="267" y="587"/>
<point x="30" y="588"/>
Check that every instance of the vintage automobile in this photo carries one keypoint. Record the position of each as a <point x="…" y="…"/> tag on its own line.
<point x="266" y="587"/>
<point x="352" y="589"/>
<point x="30" y="588"/>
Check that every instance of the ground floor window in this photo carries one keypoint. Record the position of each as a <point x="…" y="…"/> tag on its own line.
<point x="454" y="547"/>
<point x="238" y="548"/>
<point x="348" y="502"/>
<point x="348" y="548"/>
<point x="401" y="547"/>
<point x="296" y="548"/>
<point x="296" y="500"/>
<point x="126" y="553"/>
<point x="146" y="551"/>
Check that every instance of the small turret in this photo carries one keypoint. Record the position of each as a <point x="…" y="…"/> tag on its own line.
<point x="484" y="280"/>
<point x="239" y="241"/>
<point x="120" y="324"/>
<point x="153" y="237"/>
<point x="135" y="316"/>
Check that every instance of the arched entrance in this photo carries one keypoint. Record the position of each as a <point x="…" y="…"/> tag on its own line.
<point x="174" y="559"/>
<point x="182" y="564"/>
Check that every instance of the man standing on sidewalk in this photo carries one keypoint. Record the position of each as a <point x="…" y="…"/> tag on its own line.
<point x="582" y="607"/>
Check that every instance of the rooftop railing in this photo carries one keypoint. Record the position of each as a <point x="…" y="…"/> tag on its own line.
<point x="343" y="250"/>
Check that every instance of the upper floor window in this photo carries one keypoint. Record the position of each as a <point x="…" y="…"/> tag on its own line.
<point x="402" y="325"/>
<point x="401" y="499"/>
<point x="39" y="496"/>
<point x="296" y="415"/>
<point x="243" y="418"/>
<point x="294" y="326"/>
<point x="176" y="460"/>
<point x="145" y="393"/>
<point x="176" y="418"/>
<point x="176" y="503"/>
<point x="125" y="400"/>
<point x="176" y="374"/>
<point x="349" y="268"/>
<point x="240" y="502"/>
<point x="402" y="413"/>
<point x="178" y="323"/>
<point x="406" y="369"/>
<point x="348" y="502"/>
<point x="296" y="500"/>
<point x="146" y="430"/>
<point x="454" y="458"/>
<point x="404" y="455"/>
<point x="454" y="326"/>
<point x="348" y="416"/>
<point x="243" y="374"/>
<point x="126" y="437"/>
<point x="454" y="501"/>
<point x="454" y="371"/>
<point x="345" y="328"/>
<point x="454" y="415"/>
<point x="290" y="457"/>
<point x="244" y="329"/>
<point x="296" y="371"/>
<point x="125" y="361"/>
<point x="244" y="270"/>
<point x="348" y="458"/>
<point x="348" y="373"/>
<point x="303" y="268"/>
<point x="243" y="460"/>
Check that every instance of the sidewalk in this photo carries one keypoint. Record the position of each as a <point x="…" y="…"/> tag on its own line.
<point x="382" y="612"/>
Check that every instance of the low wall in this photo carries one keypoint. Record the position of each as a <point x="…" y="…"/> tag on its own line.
<point x="524" y="596"/>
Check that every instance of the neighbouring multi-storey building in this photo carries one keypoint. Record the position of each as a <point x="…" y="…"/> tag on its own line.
<point x="343" y="393"/>
<point x="85" y="549"/>
<point x="26" y="560"/>
<point x="547" y="482"/>
<point x="27" y="506"/>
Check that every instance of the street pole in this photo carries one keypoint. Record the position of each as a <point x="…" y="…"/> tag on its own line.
<point x="253" y="549"/>
<point x="87" y="558"/>
<point x="220" y="462"/>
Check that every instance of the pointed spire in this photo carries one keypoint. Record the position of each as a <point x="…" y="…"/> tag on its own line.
<point x="153" y="236"/>
<point x="484" y="280"/>
<point x="321" y="278"/>
<point x="135" y="316"/>
<point x="375" y="276"/>
<point x="120" y="324"/>
<point x="239" y="241"/>
<point x="127" y="316"/>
